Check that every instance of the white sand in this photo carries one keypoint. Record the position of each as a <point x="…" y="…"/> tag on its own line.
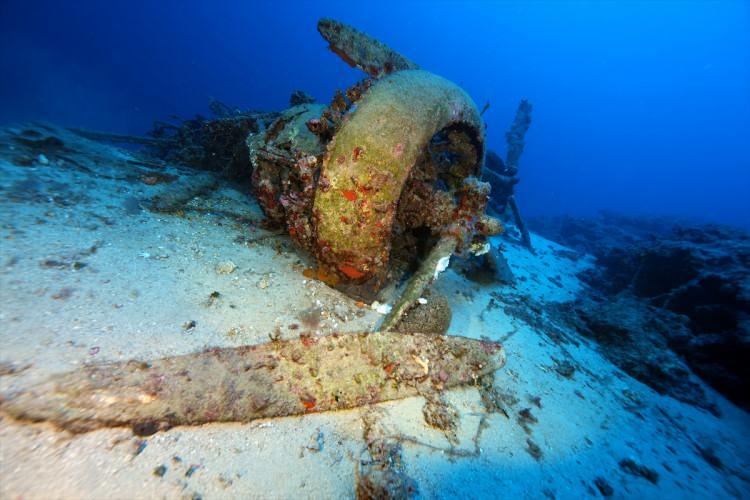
<point x="153" y="273"/>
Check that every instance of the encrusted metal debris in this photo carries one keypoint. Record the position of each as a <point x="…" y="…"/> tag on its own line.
<point x="389" y="166"/>
<point x="275" y="379"/>
<point x="361" y="50"/>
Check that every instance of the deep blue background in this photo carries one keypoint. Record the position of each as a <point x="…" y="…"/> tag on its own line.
<point x="641" y="107"/>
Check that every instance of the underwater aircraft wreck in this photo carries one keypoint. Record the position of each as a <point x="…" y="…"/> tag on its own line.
<point x="382" y="187"/>
<point x="257" y="303"/>
<point x="384" y="179"/>
<point x="393" y="173"/>
<point x="387" y="176"/>
<point x="393" y="160"/>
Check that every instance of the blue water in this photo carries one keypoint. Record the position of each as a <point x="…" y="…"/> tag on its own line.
<point x="639" y="107"/>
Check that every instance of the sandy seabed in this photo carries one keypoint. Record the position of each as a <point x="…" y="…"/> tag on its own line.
<point x="90" y="275"/>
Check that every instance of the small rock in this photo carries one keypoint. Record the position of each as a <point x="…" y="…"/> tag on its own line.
<point x="433" y="316"/>
<point x="226" y="267"/>
<point x="526" y="419"/>
<point x="317" y="441"/>
<point x="213" y="297"/>
<point x="380" y="308"/>
<point x="43" y="160"/>
<point x="534" y="450"/>
<point x="564" y="368"/>
<point x="63" y="294"/>
<point x="636" y="469"/>
<point x="380" y="481"/>
<point x="709" y="455"/>
<point x="604" y="487"/>
<point x="160" y="471"/>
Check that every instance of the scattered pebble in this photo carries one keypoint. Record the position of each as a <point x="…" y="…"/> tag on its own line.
<point x="526" y="419"/>
<point x="564" y="368"/>
<point x="317" y="441"/>
<point x="58" y="264"/>
<point x="63" y="294"/>
<point x="189" y="325"/>
<point x="42" y="159"/>
<point x="604" y="487"/>
<point x="141" y="446"/>
<point x="536" y="401"/>
<point x="212" y="298"/>
<point x="534" y="450"/>
<point x="380" y="308"/>
<point x="11" y="367"/>
<point x="160" y="471"/>
<point x="226" y="267"/>
<point x="341" y="311"/>
<point x="631" y="467"/>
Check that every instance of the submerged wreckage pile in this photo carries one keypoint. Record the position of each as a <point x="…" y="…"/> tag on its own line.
<point x="384" y="183"/>
<point x="386" y="177"/>
<point x="384" y="180"/>
<point x="393" y="163"/>
<point x="392" y="175"/>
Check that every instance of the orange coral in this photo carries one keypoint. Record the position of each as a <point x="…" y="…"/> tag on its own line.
<point x="350" y="271"/>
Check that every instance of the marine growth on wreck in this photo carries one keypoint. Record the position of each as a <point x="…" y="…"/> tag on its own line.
<point x="384" y="176"/>
<point x="393" y="163"/>
<point x="358" y="271"/>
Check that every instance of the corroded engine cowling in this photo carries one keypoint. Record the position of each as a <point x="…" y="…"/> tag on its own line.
<point x="395" y="130"/>
<point x="403" y="160"/>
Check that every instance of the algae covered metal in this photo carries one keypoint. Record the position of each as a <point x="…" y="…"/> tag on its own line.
<point x="371" y="158"/>
<point x="361" y="50"/>
<point x="390" y="165"/>
<point x="241" y="384"/>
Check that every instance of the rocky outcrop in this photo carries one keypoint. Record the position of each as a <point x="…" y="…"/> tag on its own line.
<point x="594" y="235"/>
<point x="636" y="338"/>
<point x="700" y="273"/>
